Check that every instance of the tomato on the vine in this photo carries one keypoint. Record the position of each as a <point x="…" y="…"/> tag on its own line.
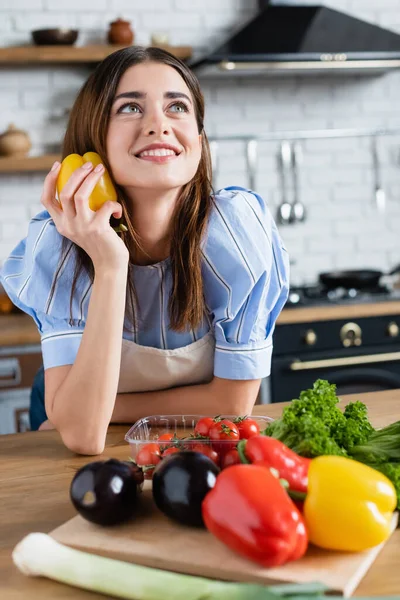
<point x="224" y="436"/>
<point x="149" y="454"/>
<point x="170" y="450"/>
<point x="203" y="426"/>
<point x="230" y="458"/>
<point x="248" y="427"/>
<point x="207" y="451"/>
<point x="224" y="430"/>
<point x="165" y="437"/>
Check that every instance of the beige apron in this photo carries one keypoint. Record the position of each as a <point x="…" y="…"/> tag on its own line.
<point x="145" y="369"/>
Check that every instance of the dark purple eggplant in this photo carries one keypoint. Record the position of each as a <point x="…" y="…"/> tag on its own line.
<point x="106" y="492"/>
<point x="180" y="484"/>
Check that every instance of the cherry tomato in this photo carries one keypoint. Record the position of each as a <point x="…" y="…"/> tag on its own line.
<point x="230" y="458"/>
<point x="207" y="451"/>
<point x="203" y="426"/>
<point x="221" y="434"/>
<point x="165" y="437"/>
<point x="247" y="427"/>
<point x="149" y="454"/>
<point x="170" y="450"/>
<point x="148" y="474"/>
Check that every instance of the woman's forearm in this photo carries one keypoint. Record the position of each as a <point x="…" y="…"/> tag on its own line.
<point x="220" y="396"/>
<point x="83" y="404"/>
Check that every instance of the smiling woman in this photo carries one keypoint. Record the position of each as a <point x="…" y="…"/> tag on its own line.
<point x="176" y="314"/>
<point x="164" y="107"/>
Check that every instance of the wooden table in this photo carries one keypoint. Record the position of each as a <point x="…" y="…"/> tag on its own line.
<point x="35" y="473"/>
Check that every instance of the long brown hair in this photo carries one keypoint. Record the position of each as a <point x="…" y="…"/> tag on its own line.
<point x="87" y="131"/>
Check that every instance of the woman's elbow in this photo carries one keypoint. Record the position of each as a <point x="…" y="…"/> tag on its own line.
<point x="83" y="445"/>
<point x="89" y="443"/>
<point x="243" y="406"/>
<point x="239" y="395"/>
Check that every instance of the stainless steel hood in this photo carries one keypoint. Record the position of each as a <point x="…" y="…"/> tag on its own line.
<point x="284" y="39"/>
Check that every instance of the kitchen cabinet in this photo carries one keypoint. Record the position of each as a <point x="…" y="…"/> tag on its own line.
<point x="20" y="359"/>
<point x="18" y="367"/>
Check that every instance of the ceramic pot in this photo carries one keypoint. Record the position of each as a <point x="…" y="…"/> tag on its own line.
<point x="14" y="142"/>
<point x="120" y="32"/>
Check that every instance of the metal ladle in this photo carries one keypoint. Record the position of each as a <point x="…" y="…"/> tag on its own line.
<point x="298" y="211"/>
<point x="380" y="195"/>
<point x="251" y="160"/>
<point x="214" y="161"/>
<point x="284" y="215"/>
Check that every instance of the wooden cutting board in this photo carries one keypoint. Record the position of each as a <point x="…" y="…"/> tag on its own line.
<point x="155" y="541"/>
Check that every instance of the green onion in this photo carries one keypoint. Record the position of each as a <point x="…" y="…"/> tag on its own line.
<point x="39" y="554"/>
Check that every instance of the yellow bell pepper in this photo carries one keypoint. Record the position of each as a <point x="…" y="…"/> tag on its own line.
<point x="348" y="506"/>
<point x="104" y="189"/>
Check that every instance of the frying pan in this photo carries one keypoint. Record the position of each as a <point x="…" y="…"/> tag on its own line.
<point x="357" y="278"/>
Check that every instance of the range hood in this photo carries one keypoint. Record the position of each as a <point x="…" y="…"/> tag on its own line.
<point x="301" y="39"/>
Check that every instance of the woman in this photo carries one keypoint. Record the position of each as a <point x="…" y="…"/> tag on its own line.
<point x="173" y="316"/>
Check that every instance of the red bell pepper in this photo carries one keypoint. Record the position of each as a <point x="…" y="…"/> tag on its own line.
<point x="250" y="511"/>
<point x="269" y="452"/>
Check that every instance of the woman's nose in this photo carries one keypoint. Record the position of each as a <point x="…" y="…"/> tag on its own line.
<point x="156" y="124"/>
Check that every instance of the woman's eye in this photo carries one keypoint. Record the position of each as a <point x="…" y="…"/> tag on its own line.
<point x="129" y="108"/>
<point x="180" y="107"/>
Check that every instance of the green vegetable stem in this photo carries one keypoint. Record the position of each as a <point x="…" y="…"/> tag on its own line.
<point x="38" y="554"/>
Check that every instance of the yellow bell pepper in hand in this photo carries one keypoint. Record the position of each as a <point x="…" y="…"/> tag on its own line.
<point x="104" y="189"/>
<point x="349" y="505"/>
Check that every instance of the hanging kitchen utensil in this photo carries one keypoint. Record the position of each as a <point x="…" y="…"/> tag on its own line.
<point x="214" y="160"/>
<point x="251" y="159"/>
<point x="298" y="213"/>
<point x="284" y="215"/>
<point x="380" y="195"/>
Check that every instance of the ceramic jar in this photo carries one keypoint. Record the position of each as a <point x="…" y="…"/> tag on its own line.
<point x="120" y="32"/>
<point x="14" y="142"/>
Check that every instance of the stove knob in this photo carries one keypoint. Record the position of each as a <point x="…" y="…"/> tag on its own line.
<point x="393" y="329"/>
<point x="310" y="337"/>
<point x="350" y="334"/>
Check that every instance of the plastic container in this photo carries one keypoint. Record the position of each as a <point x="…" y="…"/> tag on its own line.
<point x="150" y="428"/>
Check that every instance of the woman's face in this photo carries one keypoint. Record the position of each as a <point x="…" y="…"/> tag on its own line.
<point x="153" y="140"/>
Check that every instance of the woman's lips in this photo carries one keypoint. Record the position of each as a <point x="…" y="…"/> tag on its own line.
<point x="159" y="159"/>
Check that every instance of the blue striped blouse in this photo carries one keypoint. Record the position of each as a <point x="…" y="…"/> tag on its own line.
<point x="245" y="277"/>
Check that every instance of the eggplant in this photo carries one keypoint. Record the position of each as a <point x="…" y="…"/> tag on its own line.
<point x="180" y="484"/>
<point x="106" y="492"/>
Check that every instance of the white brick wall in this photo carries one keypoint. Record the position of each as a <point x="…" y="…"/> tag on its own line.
<point x="342" y="229"/>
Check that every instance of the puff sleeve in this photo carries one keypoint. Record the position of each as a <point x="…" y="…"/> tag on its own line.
<point x="246" y="282"/>
<point x="37" y="276"/>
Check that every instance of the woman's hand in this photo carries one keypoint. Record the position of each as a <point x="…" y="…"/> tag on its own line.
<point x="76" y="221"/>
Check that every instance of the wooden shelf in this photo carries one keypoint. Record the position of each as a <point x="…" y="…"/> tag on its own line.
<point x="71" y="54"/>
<point x="13" y="164"/>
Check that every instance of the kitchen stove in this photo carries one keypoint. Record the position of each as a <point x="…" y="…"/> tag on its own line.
<point x="357" y="354"/>
<point x="319" y="295"/>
